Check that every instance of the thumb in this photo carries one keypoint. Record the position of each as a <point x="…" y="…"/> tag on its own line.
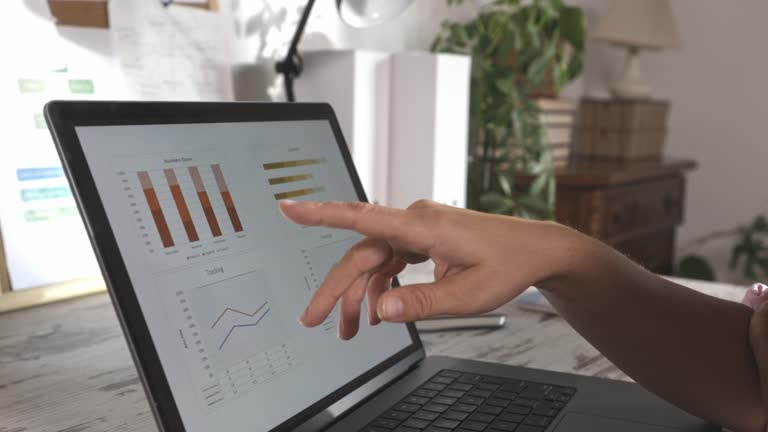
<point x="418" y="301"/>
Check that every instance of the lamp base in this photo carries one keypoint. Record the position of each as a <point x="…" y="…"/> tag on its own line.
<point x="632" y="84"/>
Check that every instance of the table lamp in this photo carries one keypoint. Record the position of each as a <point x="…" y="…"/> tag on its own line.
<point x="356" y="13"/>
<point x="636" y="25"/>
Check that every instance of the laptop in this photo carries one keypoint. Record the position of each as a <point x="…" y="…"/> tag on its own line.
<point x="208" y="279"/>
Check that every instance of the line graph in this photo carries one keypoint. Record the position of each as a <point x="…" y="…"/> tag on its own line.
<point x="226" y="338"/>
<point x="232" y="331"/>
<point x="229" y="309"/>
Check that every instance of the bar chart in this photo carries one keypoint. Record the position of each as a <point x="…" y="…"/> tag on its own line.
<point x="205" y="201"/>
<point x="181" y="205"/>
<point x="158" y="216"/>
<point x="227" y="197"/>
<point x="189" y="204"/>
<point x="294" y="178"/>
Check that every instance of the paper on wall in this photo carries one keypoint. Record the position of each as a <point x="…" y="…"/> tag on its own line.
<point x="150" y="53"/>
<point x="43" y="235"/>
<point x="172" y="53"/>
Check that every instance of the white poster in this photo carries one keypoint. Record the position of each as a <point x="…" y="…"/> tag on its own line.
<point x="173" y="53"/>
<point x="44" y="236"/>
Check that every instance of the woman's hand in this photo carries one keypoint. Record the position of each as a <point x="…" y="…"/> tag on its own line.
<point x="665" y="336"/>
<point x="481" y="261"/>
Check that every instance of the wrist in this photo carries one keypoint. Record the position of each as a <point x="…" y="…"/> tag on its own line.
<point x="570" y="254"/>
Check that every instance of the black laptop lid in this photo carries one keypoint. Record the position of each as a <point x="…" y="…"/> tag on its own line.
<point x="181" y="203"/>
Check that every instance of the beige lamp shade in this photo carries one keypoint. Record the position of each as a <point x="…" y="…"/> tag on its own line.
<point x="648" y="24"/>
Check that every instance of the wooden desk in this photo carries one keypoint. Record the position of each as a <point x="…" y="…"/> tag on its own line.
<point x="66" y="368"/>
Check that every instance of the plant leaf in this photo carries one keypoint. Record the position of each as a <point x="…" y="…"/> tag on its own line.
<point x="695" y="267"/>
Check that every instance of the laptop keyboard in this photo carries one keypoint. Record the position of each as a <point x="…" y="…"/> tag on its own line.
<point x="454" y="401"/>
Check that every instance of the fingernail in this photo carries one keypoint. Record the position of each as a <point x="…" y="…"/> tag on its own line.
<point x="303" y="317"/>
<point x="339" y="329"/>
<point x="286" y="202"/>
<point x="392" y="307"/>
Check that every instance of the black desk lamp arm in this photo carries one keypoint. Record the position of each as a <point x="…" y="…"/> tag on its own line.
<point x="291" y="66"/>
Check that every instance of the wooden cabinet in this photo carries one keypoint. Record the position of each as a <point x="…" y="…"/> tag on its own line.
<point x="632" y="206"/>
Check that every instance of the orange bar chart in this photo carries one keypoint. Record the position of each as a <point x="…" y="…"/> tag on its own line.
<point x="205" y="201"/>
<point x="181" y="204"/>
<point x="227" y="197"/>
<point x="155" y="209"/>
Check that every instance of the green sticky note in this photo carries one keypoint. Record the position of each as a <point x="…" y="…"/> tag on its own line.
<point x="45" y="193"/>
<point x="81" y="86"/>
<point x="41" y="215"/>
<point x="40" y="121"/>
<point x="31" y="85"/>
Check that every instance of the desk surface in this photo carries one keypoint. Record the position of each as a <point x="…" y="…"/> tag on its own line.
<point x="65" y="367"/>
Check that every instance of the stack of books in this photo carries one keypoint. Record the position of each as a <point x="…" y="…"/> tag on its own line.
<point x="621" y="129"/>
<point x="557" y="118"/>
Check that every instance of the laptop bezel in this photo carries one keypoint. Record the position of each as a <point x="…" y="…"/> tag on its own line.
<point x="64" y="116"/>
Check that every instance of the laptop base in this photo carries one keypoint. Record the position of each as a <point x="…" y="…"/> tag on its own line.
<point x="598" y="404"/>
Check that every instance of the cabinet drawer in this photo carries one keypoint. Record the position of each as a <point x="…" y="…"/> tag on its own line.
<point x="652" y="249"/>
<point x="623" y="210"/>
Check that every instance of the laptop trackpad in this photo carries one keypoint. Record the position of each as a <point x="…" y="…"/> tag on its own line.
<point x="574" y="422"/>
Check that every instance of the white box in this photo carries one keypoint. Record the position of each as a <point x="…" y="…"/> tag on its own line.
<point x="429" y="128"/>
<point x="356" y="84"/>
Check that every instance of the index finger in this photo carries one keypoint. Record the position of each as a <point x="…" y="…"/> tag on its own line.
<point x="373" y="221"/>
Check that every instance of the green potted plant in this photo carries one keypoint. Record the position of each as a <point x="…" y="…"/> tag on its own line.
<point x="749" y="252"/>
<point x="519" y="51"/>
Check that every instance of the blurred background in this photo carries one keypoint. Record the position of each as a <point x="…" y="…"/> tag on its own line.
<point x="638" y="122"/>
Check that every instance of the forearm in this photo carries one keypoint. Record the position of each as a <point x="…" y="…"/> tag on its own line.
<point x="690" y="348"/>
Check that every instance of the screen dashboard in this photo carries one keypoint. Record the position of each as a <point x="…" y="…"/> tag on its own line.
<point x="220" y="276"/>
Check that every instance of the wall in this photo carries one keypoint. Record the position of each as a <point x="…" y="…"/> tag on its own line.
<point x="714" y="84"/>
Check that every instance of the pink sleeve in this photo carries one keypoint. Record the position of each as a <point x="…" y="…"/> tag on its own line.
<point x="757" y="295"/>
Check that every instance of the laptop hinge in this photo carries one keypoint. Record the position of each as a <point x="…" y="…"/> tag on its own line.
<point x="340" y="409"/>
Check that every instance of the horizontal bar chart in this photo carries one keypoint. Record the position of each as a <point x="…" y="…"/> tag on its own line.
<point x="299" y="193"/>
<point x="290" y="179"/>
<point x="293" y="163"/>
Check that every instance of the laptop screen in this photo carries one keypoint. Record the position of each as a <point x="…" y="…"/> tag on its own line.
<point x="221" y="277"/>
